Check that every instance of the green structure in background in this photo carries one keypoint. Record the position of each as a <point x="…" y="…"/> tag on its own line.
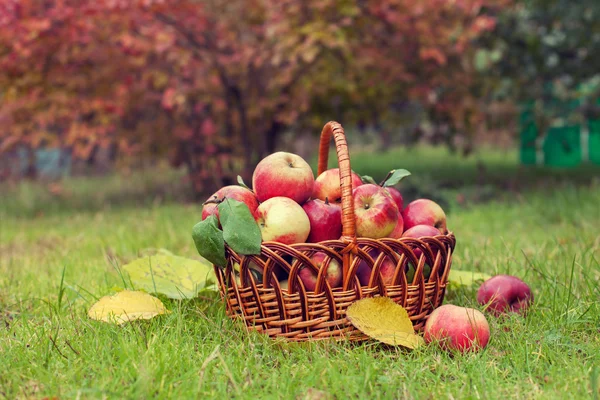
<point x="565" y="144"/>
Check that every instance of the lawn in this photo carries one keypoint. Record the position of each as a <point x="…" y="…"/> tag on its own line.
<point x="59" y="254"/>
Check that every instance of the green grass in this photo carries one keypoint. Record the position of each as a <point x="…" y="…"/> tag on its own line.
<point x="54" y="266"/>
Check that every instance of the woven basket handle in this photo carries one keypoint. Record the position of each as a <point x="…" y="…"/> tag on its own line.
<point x="348" y="220"/>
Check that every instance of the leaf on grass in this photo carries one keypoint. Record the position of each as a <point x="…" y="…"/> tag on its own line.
<point x="396" y="176"/>
<point x="368" y="179"/>
<point x="466" y="278"/>
<point x="240" y="230"/>
<point x="209" y="241"/>
<point x="383" y="319"/>
<point x="126" y="306"/>
<point x="175" y="277"/>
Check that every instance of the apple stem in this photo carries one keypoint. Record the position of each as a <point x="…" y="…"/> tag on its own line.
<point x="214" y="200"/>
<point x="386" y="177"/>
<point x="327" y="200"/>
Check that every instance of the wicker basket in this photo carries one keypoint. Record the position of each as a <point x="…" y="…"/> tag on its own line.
<point x="298" y="314"/>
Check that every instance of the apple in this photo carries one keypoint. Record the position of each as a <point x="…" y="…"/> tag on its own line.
<point x="387" y="269"/>
<point x="398" y="229"/>
<point x="333" y="276"/>
<point x="235" y="192"/>
<point x="457" y="328"/>
<point x="283" y="220"/>
<point x="424" y="212"/>
<point x="375" y="211"/>
<point x="283" y="174"/>
<point x="327" y="185"/>
<point x="505" y="293"/>
<point x="325" y="220"/>
<point x="419" y="231"/>
<point x="397" y="197"/>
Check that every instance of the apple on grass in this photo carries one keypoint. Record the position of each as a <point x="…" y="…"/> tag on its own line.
<point x="333" y="274"/>
<point x="505" y="293"/>
<point x="375" y="211"/>
<point x="235" y="192"/>
<point x="283" y="174"/>
<point x="282" y="220"/>
<point x="424" y="212"/>
<point x="327" y="185"/>
<point x="457" y="328"/>
<point x="325" y="220"/>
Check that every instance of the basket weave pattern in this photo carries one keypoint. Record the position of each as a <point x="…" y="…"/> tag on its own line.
<point x="299" y="315"/>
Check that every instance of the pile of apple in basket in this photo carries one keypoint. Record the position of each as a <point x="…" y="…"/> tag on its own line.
<point x="290" y="206"/>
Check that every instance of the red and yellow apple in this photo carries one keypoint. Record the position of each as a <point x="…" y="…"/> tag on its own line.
<point x="398" y="229"/>
<point x="333" y="274"/>
<point x="325" y="220"/>
<point x="424" y="212"/>
<point x="375" y="211"/>
<point x="457" y="328"/>
<point x="327" y="185"/>
<point x="283" y="220"/>
<point x="505" y="293"/>
<point x="283" y="174"/>
<point x="417" y="232"/>
<point x="235" y="192"/>
<point x="397" y="196"/>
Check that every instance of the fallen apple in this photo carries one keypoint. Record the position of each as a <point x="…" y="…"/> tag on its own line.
<point x="505" y="293"/>
<point x="457" y="328"/>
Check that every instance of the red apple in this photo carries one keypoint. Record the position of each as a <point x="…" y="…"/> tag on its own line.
<point x="325" y="220"/>
<point x="397" y="197"/>
<point x="235" y="192"/>
<point x="333" y="274"/>
<point x="281" y="219"/>
<point x="387" y="269"/>
<point x="398" y="229"/>
<point x="505" y="293"/>
<point x="419" y="231"/>
<point x="375" y="211"/>
<point x="283" y="174"/>
<point x="457" y="328"/>
<point x="327" y="185"/>
<point x="424" y="212"/>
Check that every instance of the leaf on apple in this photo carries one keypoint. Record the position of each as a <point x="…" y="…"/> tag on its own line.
<point x="396" y="176"/>
<point x="240" y="230"/>
<point x="173" y="276"/>
<point x="209" y="241"/>
<point x="383" y="319"/>
<point x="368" y="179"/>
<point x="126" y="306"/>
<point x="466" y="278"/>
<point x="240" y="181"/>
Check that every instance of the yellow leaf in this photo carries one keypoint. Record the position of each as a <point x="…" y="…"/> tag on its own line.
<point x="382" y="319"/>
<point x="466" y="278"/>
<point x="126" y="306"/>
<point x="175" y="277"/>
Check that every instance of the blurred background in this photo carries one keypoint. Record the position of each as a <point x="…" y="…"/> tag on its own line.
<point x="112" y="102"/>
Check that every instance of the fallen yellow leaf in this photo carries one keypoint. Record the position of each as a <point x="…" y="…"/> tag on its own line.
<point x="126" y="306"/>
<point x="383" y="319"/>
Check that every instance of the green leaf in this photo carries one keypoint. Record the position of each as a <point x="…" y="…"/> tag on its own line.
<point x="175" y="277"/>
<point x="368" y="179"/>
<point x="240" y="230"/>
<point x="241" y="182"/>
<point x="209" y="241"/>
<point x="466" y="278"/>
<point x="396" y="176"/>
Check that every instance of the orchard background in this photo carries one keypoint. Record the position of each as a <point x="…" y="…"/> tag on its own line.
<point x="117" y="118"/>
